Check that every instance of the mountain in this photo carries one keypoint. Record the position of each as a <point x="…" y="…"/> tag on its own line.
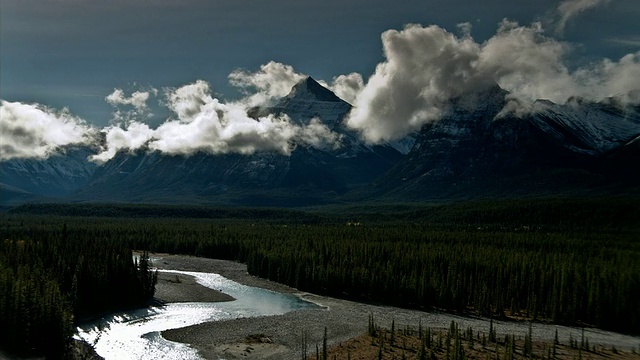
<point x="308" y="176"/>
<point x="59" y="175"/>
<point x="586" y="127"/>
<point x="355" y="162"/>
<point x="578" y="148"/>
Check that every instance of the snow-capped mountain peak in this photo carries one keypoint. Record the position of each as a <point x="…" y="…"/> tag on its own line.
<point x="310" y="90"/>
<point x="588" y="128"/>
<point x="471" y="149"/>
<point x="308" y="99"/>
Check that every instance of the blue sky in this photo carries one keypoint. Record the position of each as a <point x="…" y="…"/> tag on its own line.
<point x="73" y="53"/>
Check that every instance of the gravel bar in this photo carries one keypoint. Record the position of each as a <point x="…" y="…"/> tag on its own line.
<point x="343" y="320"/>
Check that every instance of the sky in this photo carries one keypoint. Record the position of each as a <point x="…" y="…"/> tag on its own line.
<point x="98" y="64"/>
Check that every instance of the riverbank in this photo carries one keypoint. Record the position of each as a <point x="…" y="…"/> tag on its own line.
<point x="184" y="288"/>
<point x="280" y="337"/>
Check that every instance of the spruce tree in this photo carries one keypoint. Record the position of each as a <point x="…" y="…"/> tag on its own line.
<point x="324" y="344"/>
<point x="393" y="330"/>
<point x="528" y="342"/>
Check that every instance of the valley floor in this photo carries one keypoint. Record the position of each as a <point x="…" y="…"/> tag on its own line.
<point x="366" y="347"/>
<point x="346" y="323"/>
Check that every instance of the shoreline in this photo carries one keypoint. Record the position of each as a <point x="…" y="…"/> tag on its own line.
<point x="280" y="337"/>
<point x="173" y="287"/>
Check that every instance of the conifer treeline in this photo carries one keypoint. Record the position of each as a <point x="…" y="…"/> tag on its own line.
<point x="566" y="276"/>
<point x="592" y="279"/>
<point x="48" y="279"/>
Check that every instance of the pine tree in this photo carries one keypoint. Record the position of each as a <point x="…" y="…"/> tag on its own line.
<point x="372" y="329"/>
<point x="422" y="354"/>
<point x="492" y="332"/>
<point x="305" y="336"/>
<point x="528" y="342"/>
<point x="393" y="330"/>
<point x="324" y="344"/>
<point x="470" y="337"/>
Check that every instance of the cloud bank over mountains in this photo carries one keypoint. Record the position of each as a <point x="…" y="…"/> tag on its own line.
<point x="203" y="123"/>
<point x="36" y="131"/>
<point x="424" y="68"/>
<point x="273" y="81"/>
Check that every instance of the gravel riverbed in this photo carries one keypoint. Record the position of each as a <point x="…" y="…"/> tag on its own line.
<point x="279" y="337"/>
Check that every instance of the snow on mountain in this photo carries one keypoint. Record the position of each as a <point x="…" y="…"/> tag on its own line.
<point x="404" y="145"/>
<point x="59" y="175"/>
<point x="470" y="145"/>
<point x="473" y="150"/>
<point x="307" y="172"/>
<point x="308" y="99"/>
<point x="589" y="128"/>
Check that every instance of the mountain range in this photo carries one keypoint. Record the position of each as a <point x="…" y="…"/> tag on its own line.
<point x="578" y="148"/>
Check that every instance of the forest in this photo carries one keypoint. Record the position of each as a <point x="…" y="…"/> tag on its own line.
<point x="50" y="280"/>
<point x="569" y="261"/>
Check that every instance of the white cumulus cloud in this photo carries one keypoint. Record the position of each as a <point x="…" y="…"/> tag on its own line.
<point x="608" y="78"/>
<point x="137" y="100"/>
<point x="205" y="124"/>
<point x="426" y="67"/>
<point x="35" y="131"/>
<point x="134" y="137"/>
<point x="274" y="80"/>
<point x="347" y="87"/>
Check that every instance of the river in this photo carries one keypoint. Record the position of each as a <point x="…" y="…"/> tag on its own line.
<point x="136" y="334"/>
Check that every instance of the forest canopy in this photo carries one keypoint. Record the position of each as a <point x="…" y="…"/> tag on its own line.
<point x="570" y="261"/>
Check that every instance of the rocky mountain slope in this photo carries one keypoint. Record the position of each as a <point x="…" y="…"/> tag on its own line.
<point x="32" y="179"/>
<point x="309" y="175"/>
<point x="578" y="148"/>
<point x="476" y="150"/>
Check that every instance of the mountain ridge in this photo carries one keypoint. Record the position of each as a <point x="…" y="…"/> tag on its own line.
<point x="475" y="150"/>
<point x="481" y="152"/>
<point x="309" y="175"/>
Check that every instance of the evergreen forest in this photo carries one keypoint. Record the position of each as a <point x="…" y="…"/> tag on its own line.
<point x="567" y="261"/>
<point x="51" y="279"/>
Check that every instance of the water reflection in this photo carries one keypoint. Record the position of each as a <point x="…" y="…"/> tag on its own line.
<point x="136" y="334"/>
